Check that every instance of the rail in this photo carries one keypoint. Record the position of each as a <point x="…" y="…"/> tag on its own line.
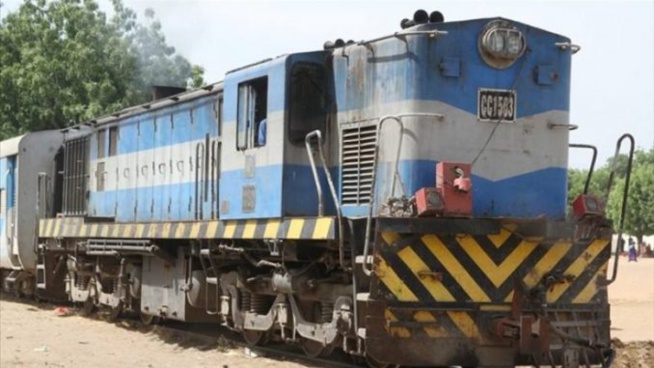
<point x="625" y="194"/>
<point x="592" y="163"/>
<point x="398" y="119"/>
<point x="431" y="34"/>
<point x="568" y="45"/>
<point x="41" y="187"/>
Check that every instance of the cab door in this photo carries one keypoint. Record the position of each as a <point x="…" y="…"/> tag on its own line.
<point x="252" y="142"/>
<point x="309" y="108"/>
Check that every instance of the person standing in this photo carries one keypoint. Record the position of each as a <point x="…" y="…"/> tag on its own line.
<point x="633" y="254"/>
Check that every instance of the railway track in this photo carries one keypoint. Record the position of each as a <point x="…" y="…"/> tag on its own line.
<point x="221" y="337"/>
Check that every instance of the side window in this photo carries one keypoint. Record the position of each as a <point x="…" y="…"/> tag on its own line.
<point x="113" y="140"/>
<point x="308" y="96"/>
<point x="100" y="177"/>
<point x="102" y="138"/>
<point x="251" y="120"/>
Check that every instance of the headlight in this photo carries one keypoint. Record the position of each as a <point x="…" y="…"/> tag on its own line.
<point x="495" y="42"/>
<point x="501" y="44"/>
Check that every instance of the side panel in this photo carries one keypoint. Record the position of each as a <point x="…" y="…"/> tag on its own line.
<point x="152" y="174"/>
<point x="162" y="290"/>
<point x="36" y="156"/>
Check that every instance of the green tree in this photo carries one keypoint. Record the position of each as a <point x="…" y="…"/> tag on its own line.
<point x="64" y="61"/>
<point x="577" y="181"/>
<point x="639" y="216"/>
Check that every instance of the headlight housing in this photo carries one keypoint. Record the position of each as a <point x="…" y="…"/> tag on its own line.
<point x="501" y="44"/>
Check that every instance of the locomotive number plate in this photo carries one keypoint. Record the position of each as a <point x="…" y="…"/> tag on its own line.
<point x="496" y="105"/>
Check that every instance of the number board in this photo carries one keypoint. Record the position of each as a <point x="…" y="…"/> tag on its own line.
<point x="496" y="105"/>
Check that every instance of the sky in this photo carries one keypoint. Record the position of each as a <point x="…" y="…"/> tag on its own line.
<point x="612" y="89"/>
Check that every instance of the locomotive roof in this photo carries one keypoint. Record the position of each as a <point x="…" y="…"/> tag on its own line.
<point x="153" y="105"/>
<point x="9" y="147"/>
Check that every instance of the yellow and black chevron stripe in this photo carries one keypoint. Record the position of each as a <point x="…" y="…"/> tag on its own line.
<point x="409" y="322"/>
<point x="484" y="270"/>
<point x="317" y="228"/>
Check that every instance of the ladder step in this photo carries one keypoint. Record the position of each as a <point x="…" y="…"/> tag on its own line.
<point x="359" y="259"/>
<point x="40" y="267"/>
<point x="361" y="332"/>
<point x="11" y="278"/>
<point x="363" y="297"/>
<point x="40" y="286"/>
<point x="205" y="252"/>
<point x="212" y="280"/>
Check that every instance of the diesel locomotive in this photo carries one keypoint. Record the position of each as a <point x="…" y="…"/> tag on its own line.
<point x="402" y="199"/>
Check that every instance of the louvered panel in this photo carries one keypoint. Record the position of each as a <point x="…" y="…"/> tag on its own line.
<point x="358" y="160"/>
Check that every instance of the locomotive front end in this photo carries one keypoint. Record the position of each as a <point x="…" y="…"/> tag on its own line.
<point x="454" y="141"/>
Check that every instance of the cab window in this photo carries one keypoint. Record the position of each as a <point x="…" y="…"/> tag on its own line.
<point x="308" y="100"/>
<point x="252" y="113"/>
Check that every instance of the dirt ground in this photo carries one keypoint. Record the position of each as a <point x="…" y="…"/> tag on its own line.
<point x="33" y="336"/>
<point x="632" y="313"/>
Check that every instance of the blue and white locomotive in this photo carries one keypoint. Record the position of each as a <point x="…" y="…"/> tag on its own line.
<point x="402" y="199"/>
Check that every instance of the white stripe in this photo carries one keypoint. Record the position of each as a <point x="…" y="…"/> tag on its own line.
<point x="516" y="148"/>
<point x="166" y="165"/>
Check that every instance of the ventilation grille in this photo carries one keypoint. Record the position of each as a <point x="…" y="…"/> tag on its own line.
<point x="76" y="158"/>
<point x="358" y="156"/>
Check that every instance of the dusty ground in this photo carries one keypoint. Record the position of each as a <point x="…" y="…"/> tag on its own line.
<point x="32" y="336"/>
<point x="632" y="313"/>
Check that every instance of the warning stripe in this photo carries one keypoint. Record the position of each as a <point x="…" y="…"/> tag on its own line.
<point x="316" y="228"/>
<point x="406" y="323"/>
<point x="485" y="269"/>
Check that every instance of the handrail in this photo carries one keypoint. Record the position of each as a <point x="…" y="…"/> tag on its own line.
<point x="199" y="153"/>
<point x="431" y="34"/>
<point x="398" y="119"/>
<point x="552" y="125"/>
<point x="41" y="177"/>
<point x="314" y="171"/>
<point x="574" y="48"/>
<point x="623" y="209"/>
<point x="592" y="163"/>
<point x="307" y="141"/>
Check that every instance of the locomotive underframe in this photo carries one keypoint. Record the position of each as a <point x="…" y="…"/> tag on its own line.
<point x="266" y="290"/>
<point x="294" y="291"/>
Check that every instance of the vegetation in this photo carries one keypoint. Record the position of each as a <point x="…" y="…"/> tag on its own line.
<point x="639" y="217"/>
<point x="65" y="61"/>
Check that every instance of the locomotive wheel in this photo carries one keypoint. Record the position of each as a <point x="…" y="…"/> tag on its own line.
<point x="114" y="312"/>
<point x="149" y="319"/>
<point x="314" y="349"/>
<point x="87" y="308"/>
<point x="255" y="338"/>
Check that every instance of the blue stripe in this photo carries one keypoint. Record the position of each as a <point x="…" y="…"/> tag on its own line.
<point x="539" y="193"/>
<point x="8" y="173"/>
<point x="300" y="193"/>
<point x="152" y="203"/>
